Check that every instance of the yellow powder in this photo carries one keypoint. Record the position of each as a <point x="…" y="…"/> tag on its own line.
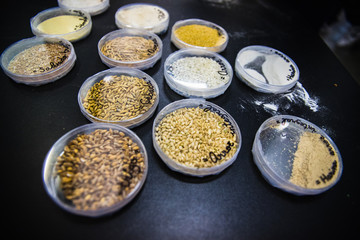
<point x="316" y="164"/>
<point x="200" y="35"/>
<point x="62" y="24"/>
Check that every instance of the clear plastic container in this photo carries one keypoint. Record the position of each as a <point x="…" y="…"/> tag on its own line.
<point x="139" y="64"/>
<point x="296" y="156"/>
<point x="218" y="74"/>
<point x="93" y="7"/>
<point x="143" y="16"/>
<point x="179" y="43"/>
<point x="46" y="71"/>
<point x="52" y="179"/>
<point x="108" y="75"/>
<point x="266" y="69"/>
<point x="197" y="171"/>
<point x="71" y="25"/>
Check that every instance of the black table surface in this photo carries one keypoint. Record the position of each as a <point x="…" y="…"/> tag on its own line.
<point x="236" y="204"/>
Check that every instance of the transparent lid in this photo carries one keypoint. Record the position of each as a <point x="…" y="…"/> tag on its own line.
<point x="296" y="156"/>
<point x="123" y="96"/>
<point x="130" y="48"/>
<point x="93" y="7"/>
<point x="196" y="137"/>
<point x="199" y="34"/>
<point x="38" y="60"/>
<point x="143" y="16"/>
<point x="72" y="175"/>
<point x="197" y="73"/>
<point x="266" y="69"/>
<point x="71" y="24"/>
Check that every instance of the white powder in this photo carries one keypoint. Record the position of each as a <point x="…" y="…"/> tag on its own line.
<point x="272" y="68"/>
<point x="81" y="3"/>
<point x="143" y="16"/>
<point x="280" y="103"/>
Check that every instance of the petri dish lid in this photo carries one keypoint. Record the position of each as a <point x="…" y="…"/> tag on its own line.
<point x="217" y="46"/>
<point x="296" y="156"/>
<point x="93" y="7"/>
<point x="143" y="101"/>
<point x="52" y="181"/>
<point x="71" y="24"/>
<point x="211" y="156"/>
<point x="197" y="73"/>
<point x="27" y="61"/>
<point x="143" y="16"/>
<point x="148" y="58"/>
<point x="266" y="69"/>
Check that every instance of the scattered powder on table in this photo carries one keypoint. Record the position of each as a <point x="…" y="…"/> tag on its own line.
<point x="129" y="48"/>
<point x="39" y="59"/>
<point x="199" y="72"/>
<point x="200" y="35"/>
<point x="316" y="164"/>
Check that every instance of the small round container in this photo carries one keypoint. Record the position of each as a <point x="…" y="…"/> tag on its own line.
<point x="208" y="106"/>
<point x="45" y="72"/>
<point x="179" y="43"/>
<point x="139" y="64"/>
<point x="52" y="179"/>
<point x="143" y="16"/>
<point x="266" y="69"/>
<point x="218" y="75"/>
<point x="107" y="75"/>
<point x="71" y="25"/>
<point x="93" y="7"/>
<point x="296" y="156"/>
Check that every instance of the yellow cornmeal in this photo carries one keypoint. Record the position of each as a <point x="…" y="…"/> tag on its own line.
<point x="200" y="35"/>
<point x="316" y="164"/>
<point x="62" y="24"/>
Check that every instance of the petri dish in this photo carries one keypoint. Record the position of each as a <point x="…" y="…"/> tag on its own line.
<point x="143" y="16"/>
<point x="122" y="96"/>
<point x="71" y="172"/>
<point x="296" y="156"/>
<point x="196" y="137"/>
<point x="199" y="34"/>
<point x="93" y="7"/>
<point x="71" y="24"/>
<point x="266" y="69"/>
<point x="130" y="48"/>
<point x="197" y="73"/>
<point x="38" y="60"/>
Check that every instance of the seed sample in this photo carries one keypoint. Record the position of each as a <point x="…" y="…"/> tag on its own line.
<point x="119" y="97"/>
<point x="39" y="59"/>
<point x="130" y="48"/>
<point x="196" y="137"/>
<point x="199" y="72"/>
<point x="200" y="35"/>
<point x="99" y="169"/>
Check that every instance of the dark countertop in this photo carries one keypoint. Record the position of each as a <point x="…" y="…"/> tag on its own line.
<point x="236" y="204"/>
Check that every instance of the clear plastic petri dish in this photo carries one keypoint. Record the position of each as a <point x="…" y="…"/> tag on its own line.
<point x="199" y="34"/>
<point x="122" y="96"/>
<point x="143" y="16"/>
<point x="196" y="137"/>
<point x="75" y="167"/>
<point x="296" y="156"/>
<point x="71" y="24"/>
<point x="197" y="73"/>
<point x="266" y="69"/>
<point x="38" y="60"/>
<point x="93" y="7"/>
<point x="130" y="48"/>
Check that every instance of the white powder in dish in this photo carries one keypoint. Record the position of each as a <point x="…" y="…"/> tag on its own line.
<point x="271" y="68"/>
<point x="81" y="3"/>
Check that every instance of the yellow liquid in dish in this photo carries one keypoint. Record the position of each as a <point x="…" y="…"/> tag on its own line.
<point x="62" y="24"/>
